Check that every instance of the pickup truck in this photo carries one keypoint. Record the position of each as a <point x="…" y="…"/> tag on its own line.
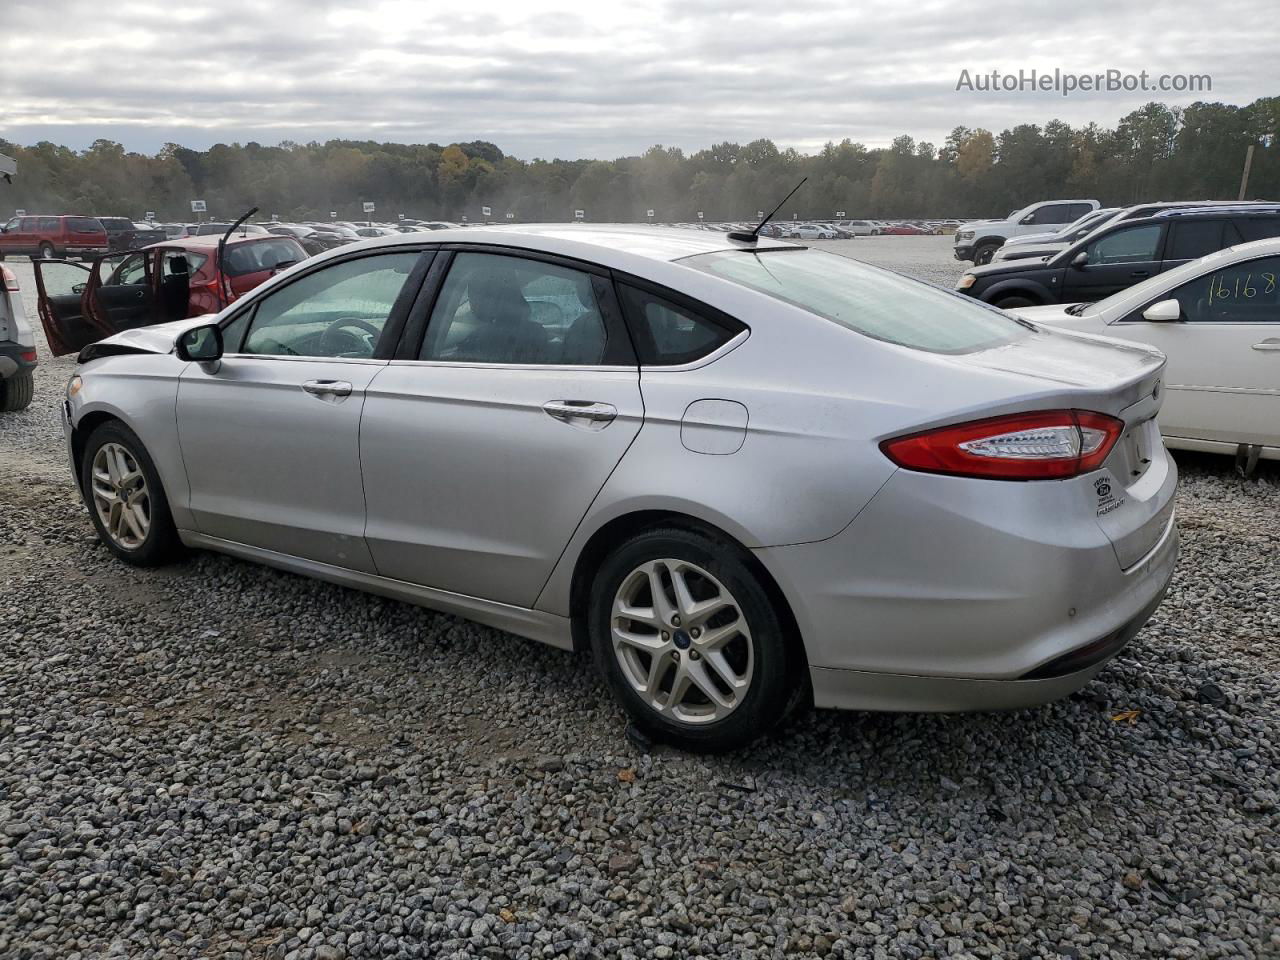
<point x="123" y="234"/>
<point x="979" y="240"/>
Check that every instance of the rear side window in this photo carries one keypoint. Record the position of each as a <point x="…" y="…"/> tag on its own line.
<point x="49" y="225"/>
<point x="668" y="333"/>
<point x="1193" y="239"/>
<point x="1079" y="210"/>
<point x="867" y="300"/>
<point x="1258" y="228"/>
<point x="83" y="225"/>
<point x="261" y="255"/>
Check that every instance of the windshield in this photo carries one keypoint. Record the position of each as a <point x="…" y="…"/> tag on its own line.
<point x="867" y="300"/>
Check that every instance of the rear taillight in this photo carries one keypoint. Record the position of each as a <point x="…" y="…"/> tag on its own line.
<point x="10" y="279"/>
<point x="27" y="356"/>
<point x="1046" y="445"/>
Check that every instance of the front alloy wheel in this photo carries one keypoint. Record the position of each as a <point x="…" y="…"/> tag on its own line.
<point x="121" y="496"/>
<point x="682" y="641"/>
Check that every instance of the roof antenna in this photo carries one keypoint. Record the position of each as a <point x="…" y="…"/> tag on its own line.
<point x="753" y="236"/>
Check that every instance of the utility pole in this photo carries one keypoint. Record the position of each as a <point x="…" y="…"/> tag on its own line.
<point x="1244" y="177"/>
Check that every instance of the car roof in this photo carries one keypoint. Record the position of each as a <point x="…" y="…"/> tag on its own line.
<point x="594" y="242"/>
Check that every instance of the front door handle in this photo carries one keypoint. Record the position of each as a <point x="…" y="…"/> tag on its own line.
<point x="1272" y="344"/>
<point x="582" y="413"/>
<point x="1140" y="273"/>
<point x="331" y="391"/>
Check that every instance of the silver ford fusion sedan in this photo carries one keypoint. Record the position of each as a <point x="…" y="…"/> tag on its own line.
<point x="742" y="475"/>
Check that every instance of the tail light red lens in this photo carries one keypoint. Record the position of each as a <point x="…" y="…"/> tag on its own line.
<point x="10" y="279"/>
<point x="1045" y="445"/>
<point x="27" y="356"/>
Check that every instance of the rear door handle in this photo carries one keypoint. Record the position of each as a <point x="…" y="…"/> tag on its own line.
<point x="1272" y="344"/>
<point x="1140" y="273"/>
<point x="582" y="413"/>
<point x="331" y="391"/>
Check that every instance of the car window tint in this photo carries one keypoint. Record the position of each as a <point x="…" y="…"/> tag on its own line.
<point x="338" y="311"/>
<point x="1054" y="213"/>
<point x="1247" y="292"/>
<point x="668" y="333"/>
<point x="500" y="309"/>
<point x="1258" y="228"/>
<point x="1192" y="239"/>
<point x="132" y="271"/>
<point x="1131" y="244"/>
<point x="13" y="224"/>
<point x="867" y="300"/>
<point x="84" y="225"/>
<point x="49" y="224"/>
<point x="29" y="224"/>
<point x="259" y="255"/>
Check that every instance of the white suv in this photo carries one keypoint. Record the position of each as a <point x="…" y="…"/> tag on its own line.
<point x="17" y="347"/>
<point x="979" y="240"/>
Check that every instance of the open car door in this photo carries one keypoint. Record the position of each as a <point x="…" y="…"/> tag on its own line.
<point x="61" y="285"/>
<point x="121" y="293"/>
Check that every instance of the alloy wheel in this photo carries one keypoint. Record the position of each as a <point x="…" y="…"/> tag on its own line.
<point x="682" y="641"/>
<point x="120" y="495"/>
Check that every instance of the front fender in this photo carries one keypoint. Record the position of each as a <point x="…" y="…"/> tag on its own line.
<point x="141" y="391"/>
<point x="1033" y="288"/>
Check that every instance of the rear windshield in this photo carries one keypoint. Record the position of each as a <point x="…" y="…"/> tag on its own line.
<point x="260" y="255"/>
<point x="868" y="300"/>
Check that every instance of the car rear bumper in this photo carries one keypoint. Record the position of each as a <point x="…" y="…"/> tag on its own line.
<point x="15" y="358"/>
<point x="954" y="594"/>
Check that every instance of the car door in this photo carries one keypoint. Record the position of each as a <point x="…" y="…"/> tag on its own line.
<point x="11" y="236"/>
<point x="270" y="433"/>
<point x="1111" y="263"/>
<point x="60" y="287"/>
<point x="121" y="291"/>
<point x="1223" y="376"/>
<point x="485" y="441"/>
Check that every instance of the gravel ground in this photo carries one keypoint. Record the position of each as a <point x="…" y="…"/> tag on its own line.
<point x="220" y="760"/>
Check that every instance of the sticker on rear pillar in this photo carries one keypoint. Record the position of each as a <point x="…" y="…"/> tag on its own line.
<point x="1107" y="501"/>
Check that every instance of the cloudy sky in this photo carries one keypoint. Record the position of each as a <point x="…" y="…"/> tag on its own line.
<point x="562" y="78"/>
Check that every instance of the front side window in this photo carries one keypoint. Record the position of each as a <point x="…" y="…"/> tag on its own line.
<point x="12" y="225"/>
<point x="511" y="310"/>
<point x="338" y="311"/>
<point x="1130" y="245"/>
<point x="870" y="301"/>
<point x="1246" y="292"/>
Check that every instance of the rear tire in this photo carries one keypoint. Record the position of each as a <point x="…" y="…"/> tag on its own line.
<point x="126" y="502"/>
<point x="1010" y="303"/>
<point x="699" y="676"/>
<point x="17" y="391"/>
<point x="47" y="252"/>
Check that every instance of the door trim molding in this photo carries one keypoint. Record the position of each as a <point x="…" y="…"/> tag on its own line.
<point x="537" y="625"/>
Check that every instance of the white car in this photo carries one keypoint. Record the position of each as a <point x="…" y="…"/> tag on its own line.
<point x="860" y="228"/>
<point x="1218" y="321"/>
<point x="811" y="231"/>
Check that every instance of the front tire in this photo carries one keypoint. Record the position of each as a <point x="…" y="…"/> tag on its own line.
<point x="126" y="502"/>
<point x="984" y="254"/>
<point x="17" y="391"/>
<point x="689" y="640"/>
<point x="47" y="252"/>
<point x="1011" y="303"/>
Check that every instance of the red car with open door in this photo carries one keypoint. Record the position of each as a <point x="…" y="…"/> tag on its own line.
<point x="172" y="280"/>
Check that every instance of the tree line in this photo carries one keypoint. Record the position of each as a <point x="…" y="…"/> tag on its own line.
<point x="1156" y="152"/>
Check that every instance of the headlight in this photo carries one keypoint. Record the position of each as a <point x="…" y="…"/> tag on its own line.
<point x="74" y="385"/>
<point x="966" y="282"/>
<point x="964" y="235"/>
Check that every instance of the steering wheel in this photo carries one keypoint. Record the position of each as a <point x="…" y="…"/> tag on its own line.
<point x="334" y="333"/>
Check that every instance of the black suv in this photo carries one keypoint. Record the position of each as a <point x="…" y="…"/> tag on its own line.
<point x="1117" y="256"/>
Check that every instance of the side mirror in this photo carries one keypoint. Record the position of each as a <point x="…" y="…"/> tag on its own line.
<point x="201" y="344"/>
<point x="1163" y="312"/>
<point x="1081" y="259"/>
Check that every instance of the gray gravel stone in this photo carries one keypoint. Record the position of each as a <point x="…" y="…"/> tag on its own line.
<point x="219" y="760"/>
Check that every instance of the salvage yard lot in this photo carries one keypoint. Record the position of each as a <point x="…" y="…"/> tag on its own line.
<point x="219" y="760"/>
